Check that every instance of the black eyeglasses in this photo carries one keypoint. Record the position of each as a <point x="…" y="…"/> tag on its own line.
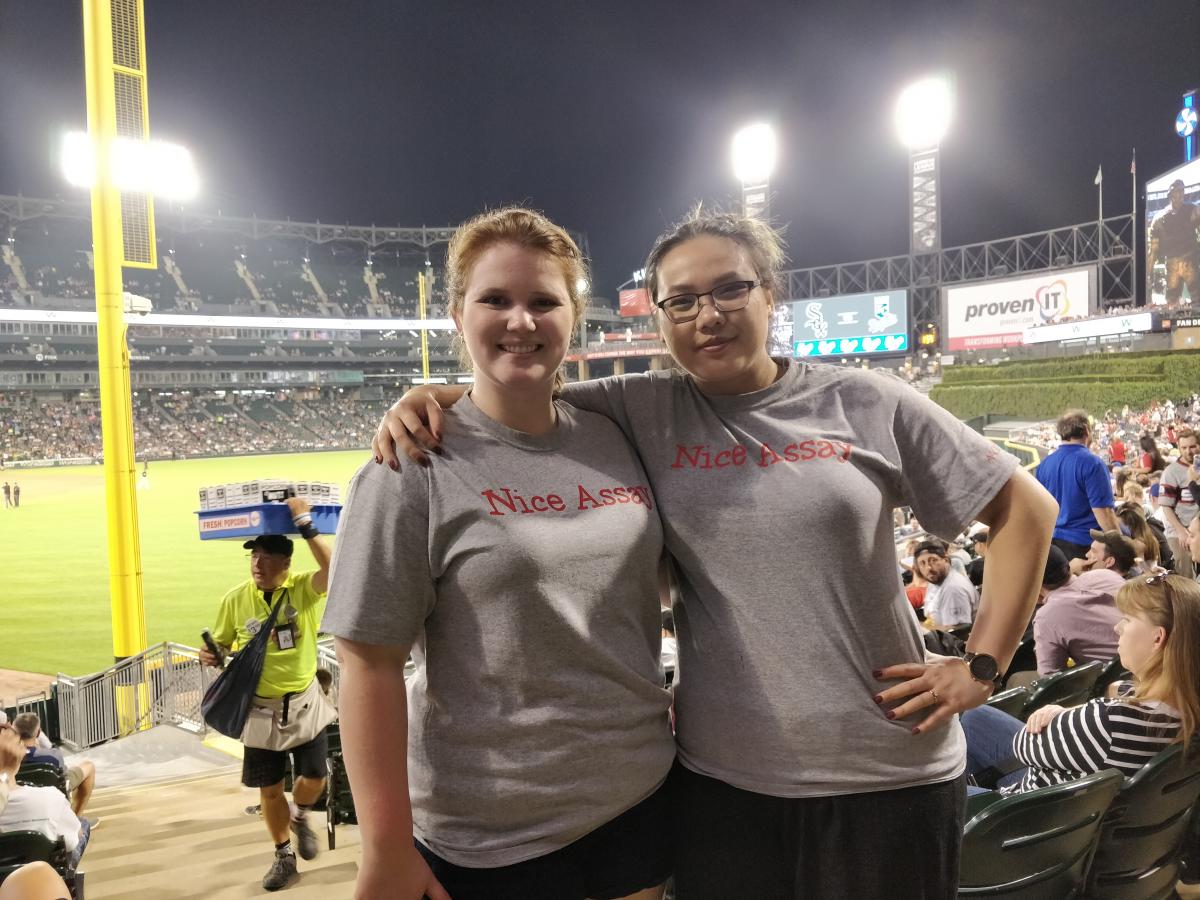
<point x="728" y="297"/>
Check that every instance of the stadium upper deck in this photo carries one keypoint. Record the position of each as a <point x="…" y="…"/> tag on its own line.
<point x="269" y="274"/>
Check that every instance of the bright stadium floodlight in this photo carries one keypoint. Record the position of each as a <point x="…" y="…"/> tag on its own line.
<point x="154" y="167"/>
<point x="923" y="112"/>
<point x="581" y="285"/>
<point x="754" y="153"/>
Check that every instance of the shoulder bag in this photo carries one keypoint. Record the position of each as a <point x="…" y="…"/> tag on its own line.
<point x="226" y="703"/>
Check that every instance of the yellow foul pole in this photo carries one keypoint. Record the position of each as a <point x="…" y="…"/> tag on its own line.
<point x="124" y="550"/>
<point x="424" y="284"/>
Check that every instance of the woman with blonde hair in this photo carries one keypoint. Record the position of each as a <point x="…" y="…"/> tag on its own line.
<point x="1160" y="645"/>
<point x="520" y="569"/>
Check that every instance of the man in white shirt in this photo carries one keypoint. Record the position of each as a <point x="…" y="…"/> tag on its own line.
<point x="43" y="809"/>
<point x="950" y="598"/>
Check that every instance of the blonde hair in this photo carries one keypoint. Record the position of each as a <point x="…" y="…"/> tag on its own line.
<point x="525" y="228"/>
<point x="1173" y="674"/>
<point x="1133" y="492"/>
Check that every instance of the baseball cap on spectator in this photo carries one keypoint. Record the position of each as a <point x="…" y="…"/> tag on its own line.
<point x="1058" y="570"/>
<point x="979" y="535"/>
<point x="1119" y="547"/>
<point x="270" y="543"/>
<point x="937" y="548"/>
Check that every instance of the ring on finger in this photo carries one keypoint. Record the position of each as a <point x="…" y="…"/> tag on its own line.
<point x="934" y="695"/>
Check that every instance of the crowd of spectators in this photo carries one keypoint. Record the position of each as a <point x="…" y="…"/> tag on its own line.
<point x="1119" y="433"/>
<point x="182" y="424"/>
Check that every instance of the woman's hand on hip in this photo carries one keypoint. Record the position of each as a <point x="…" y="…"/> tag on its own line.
<point x="942" y="686"/>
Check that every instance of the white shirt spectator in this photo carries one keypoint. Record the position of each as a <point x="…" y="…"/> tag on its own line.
<point x="43" y="809"/>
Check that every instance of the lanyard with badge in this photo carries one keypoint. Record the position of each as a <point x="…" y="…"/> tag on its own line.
<point x="285" y="635"/>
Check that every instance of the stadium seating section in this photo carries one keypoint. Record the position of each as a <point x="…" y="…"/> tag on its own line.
<point x="181" y="424"/>
<point x="219" y="273"/>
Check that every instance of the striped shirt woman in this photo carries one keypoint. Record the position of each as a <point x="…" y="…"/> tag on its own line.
<point x="1103" y="734"/>
<point x="1159" y="643"/>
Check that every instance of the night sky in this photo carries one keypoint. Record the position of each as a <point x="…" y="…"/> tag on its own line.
<point x="615" y="116"/>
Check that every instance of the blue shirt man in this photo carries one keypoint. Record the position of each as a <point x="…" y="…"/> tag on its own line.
<point x="1078" y="480"/>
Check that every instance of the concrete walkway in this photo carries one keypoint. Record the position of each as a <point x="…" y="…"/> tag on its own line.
<point x="192" y="838"/>
<point x="165" y="752"/>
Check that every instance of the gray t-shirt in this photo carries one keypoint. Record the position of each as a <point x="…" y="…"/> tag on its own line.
<point x="523" y="571"/>
<point x="777" y="506"/>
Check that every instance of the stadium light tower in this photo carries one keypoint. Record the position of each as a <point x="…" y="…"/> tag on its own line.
<point x="147" y="167"/>
<point x="922" y="118"/>
<point x="755" y="150"/>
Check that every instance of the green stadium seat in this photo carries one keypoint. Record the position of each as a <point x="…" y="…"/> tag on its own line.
<point x="339" y="803"/>
<point x="1141" y="837"/>
<point x="1069" y="687"/>
<point x="43" y="775"/>
<point x="20" y="847"/>
<point x="1011" y="701"/>
<point x="1036" y="845"/>
<point x="1112" y="672"/>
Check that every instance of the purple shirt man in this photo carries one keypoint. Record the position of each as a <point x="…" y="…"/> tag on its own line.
<point x="1077" y="621"/>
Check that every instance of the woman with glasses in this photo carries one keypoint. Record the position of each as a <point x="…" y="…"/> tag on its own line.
<point x="776" y="480"/>
<point x="1159" y="644"/>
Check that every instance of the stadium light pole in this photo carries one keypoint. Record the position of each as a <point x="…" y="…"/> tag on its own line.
<point x="922" y="118"/>
<point x="755" y="150"/>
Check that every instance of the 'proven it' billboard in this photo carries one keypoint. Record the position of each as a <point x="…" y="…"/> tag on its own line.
<point x="996" y="313"/>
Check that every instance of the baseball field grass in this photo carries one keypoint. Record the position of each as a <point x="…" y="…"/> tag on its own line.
<point x="56" y="614"/>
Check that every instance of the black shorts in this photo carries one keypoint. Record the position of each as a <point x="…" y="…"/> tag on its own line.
<point x="884" y="845"/>
<point x="622" y="857"/>
<point x="263" y="768"/>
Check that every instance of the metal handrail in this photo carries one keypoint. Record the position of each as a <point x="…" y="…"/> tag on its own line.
<point x="162" y="685"/>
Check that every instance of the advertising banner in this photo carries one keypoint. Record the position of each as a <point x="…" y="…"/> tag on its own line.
<point x="996" y="313"/>
<point x="847" y="325"/>
<point x="635" y="302"/>
<point x="1088" y="328"/>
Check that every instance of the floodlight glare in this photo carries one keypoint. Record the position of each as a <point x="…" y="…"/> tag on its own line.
<point x="581" y="285"/>
<point x="754" y="153"/>
<point x="154" y="167"/>
<point x="923" y="113"/>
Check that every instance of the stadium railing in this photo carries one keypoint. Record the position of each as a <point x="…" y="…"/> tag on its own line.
<point x="162" y="685"/>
